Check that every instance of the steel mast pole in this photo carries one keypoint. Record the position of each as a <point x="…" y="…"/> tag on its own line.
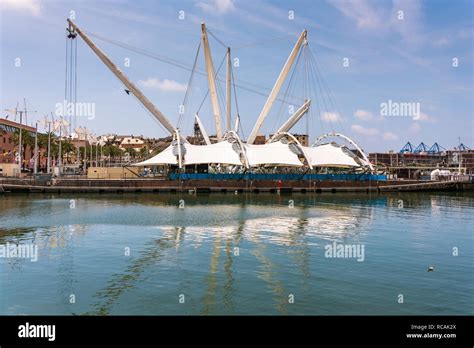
<point x="228" y="93"/>
<point x="211" y="82"/>
<point x="276" y="88"/>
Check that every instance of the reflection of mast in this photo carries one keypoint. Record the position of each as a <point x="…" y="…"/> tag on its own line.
<point x="122" y="281"/>
<point x="268" y="275"/>
<point x="229" y="278"/>
<point x="208" y="299"/>
<point x="303" y="254"/>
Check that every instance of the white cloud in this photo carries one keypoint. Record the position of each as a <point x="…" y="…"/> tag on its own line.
<point x="365" y="16"/>
<point x="163" y="85"/>
<point x="26" y="6"/>
<point x="364" y="131"/>
<point x="216" y="6"/>
<point x="443" y="41"/>
<point x="422" y="117"/>
<point x="331" y="117"/>
<point x="415" y="128"/>
<point x="371" y="15"/>
<point x="363" y="115"/>
<point x="390" y="136"/>
<point x="410" y="27"/>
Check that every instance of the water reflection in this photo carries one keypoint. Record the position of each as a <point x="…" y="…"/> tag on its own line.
<point x="120" y="282"/>
<point x="199" y="243"/>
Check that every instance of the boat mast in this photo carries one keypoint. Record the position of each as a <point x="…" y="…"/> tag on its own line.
<point x="211" y="81"/>
<point x="276" y="88"/>
<point x="121" y="76"/>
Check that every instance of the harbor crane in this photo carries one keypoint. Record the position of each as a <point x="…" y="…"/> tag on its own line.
<point x="73" y="29"/>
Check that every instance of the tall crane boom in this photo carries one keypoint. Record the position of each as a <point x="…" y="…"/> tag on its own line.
<point x="121" y="76"/>
<point x="276" y="88"/>
<point x="211" y="81"/>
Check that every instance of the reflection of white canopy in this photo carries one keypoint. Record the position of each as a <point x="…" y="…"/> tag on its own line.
<point x="331" y="155"/>
<point x="275" y="153"/>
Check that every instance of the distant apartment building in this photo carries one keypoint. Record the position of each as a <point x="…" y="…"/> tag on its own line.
<point x="127" y="142"/>
<point x="260" y="139"/>
<point x="8" y="148"/>
<point x="302" y="138"/>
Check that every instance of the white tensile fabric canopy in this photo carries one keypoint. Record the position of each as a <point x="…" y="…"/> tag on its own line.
<point x="332" y="155"/>
<point x="277" y="154"/>
<point x="164" y="157"/>
<point x="221" y="152"/>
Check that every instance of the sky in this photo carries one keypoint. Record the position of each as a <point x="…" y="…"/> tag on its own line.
<point x="370" y="55"/>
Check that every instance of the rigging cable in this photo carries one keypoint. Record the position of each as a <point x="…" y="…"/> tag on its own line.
<point x="179" y="64"/>
<point x="188" y="87"/>
<point x="330" y="97"/>
<point x="236" y="103"/>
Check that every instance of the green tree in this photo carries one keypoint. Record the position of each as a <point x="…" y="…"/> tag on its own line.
<point x="143" y="153"/>
<point x="131" y="152"/>
<point x="26" y="139"/>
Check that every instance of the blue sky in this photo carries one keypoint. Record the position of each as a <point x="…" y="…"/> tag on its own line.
<point x="403" y="60"/>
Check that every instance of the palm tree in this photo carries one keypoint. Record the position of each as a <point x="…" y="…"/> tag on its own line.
<point x="67" y="148"/>
<point x="26" y="139"/>
<point x="131" y="152"/>
<point x="112" y="151"/>
<point x="43" y="141"/>
<point x="143" y="152"/>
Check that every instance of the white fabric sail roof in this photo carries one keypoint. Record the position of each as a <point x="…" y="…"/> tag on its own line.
<point x="221" y="152"/>
<point x="275" y="153"/>
<point x="332" y="155"/>
<point x="164" y="157"/>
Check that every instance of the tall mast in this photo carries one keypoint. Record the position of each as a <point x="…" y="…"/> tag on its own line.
<point x="228" y="91"/>
<point x="276" y="88"/>
<point x="121" y="76"/>
<point x="212" y="82"/>
<point x="285" y="127"/>
<point x="203" y="130"/>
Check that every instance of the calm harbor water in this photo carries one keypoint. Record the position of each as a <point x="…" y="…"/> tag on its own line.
<point x="238" y="254"/>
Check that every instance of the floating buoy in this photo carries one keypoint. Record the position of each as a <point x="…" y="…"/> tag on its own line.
<point x="430" y="269"/>
<point x="236" y="192"/>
